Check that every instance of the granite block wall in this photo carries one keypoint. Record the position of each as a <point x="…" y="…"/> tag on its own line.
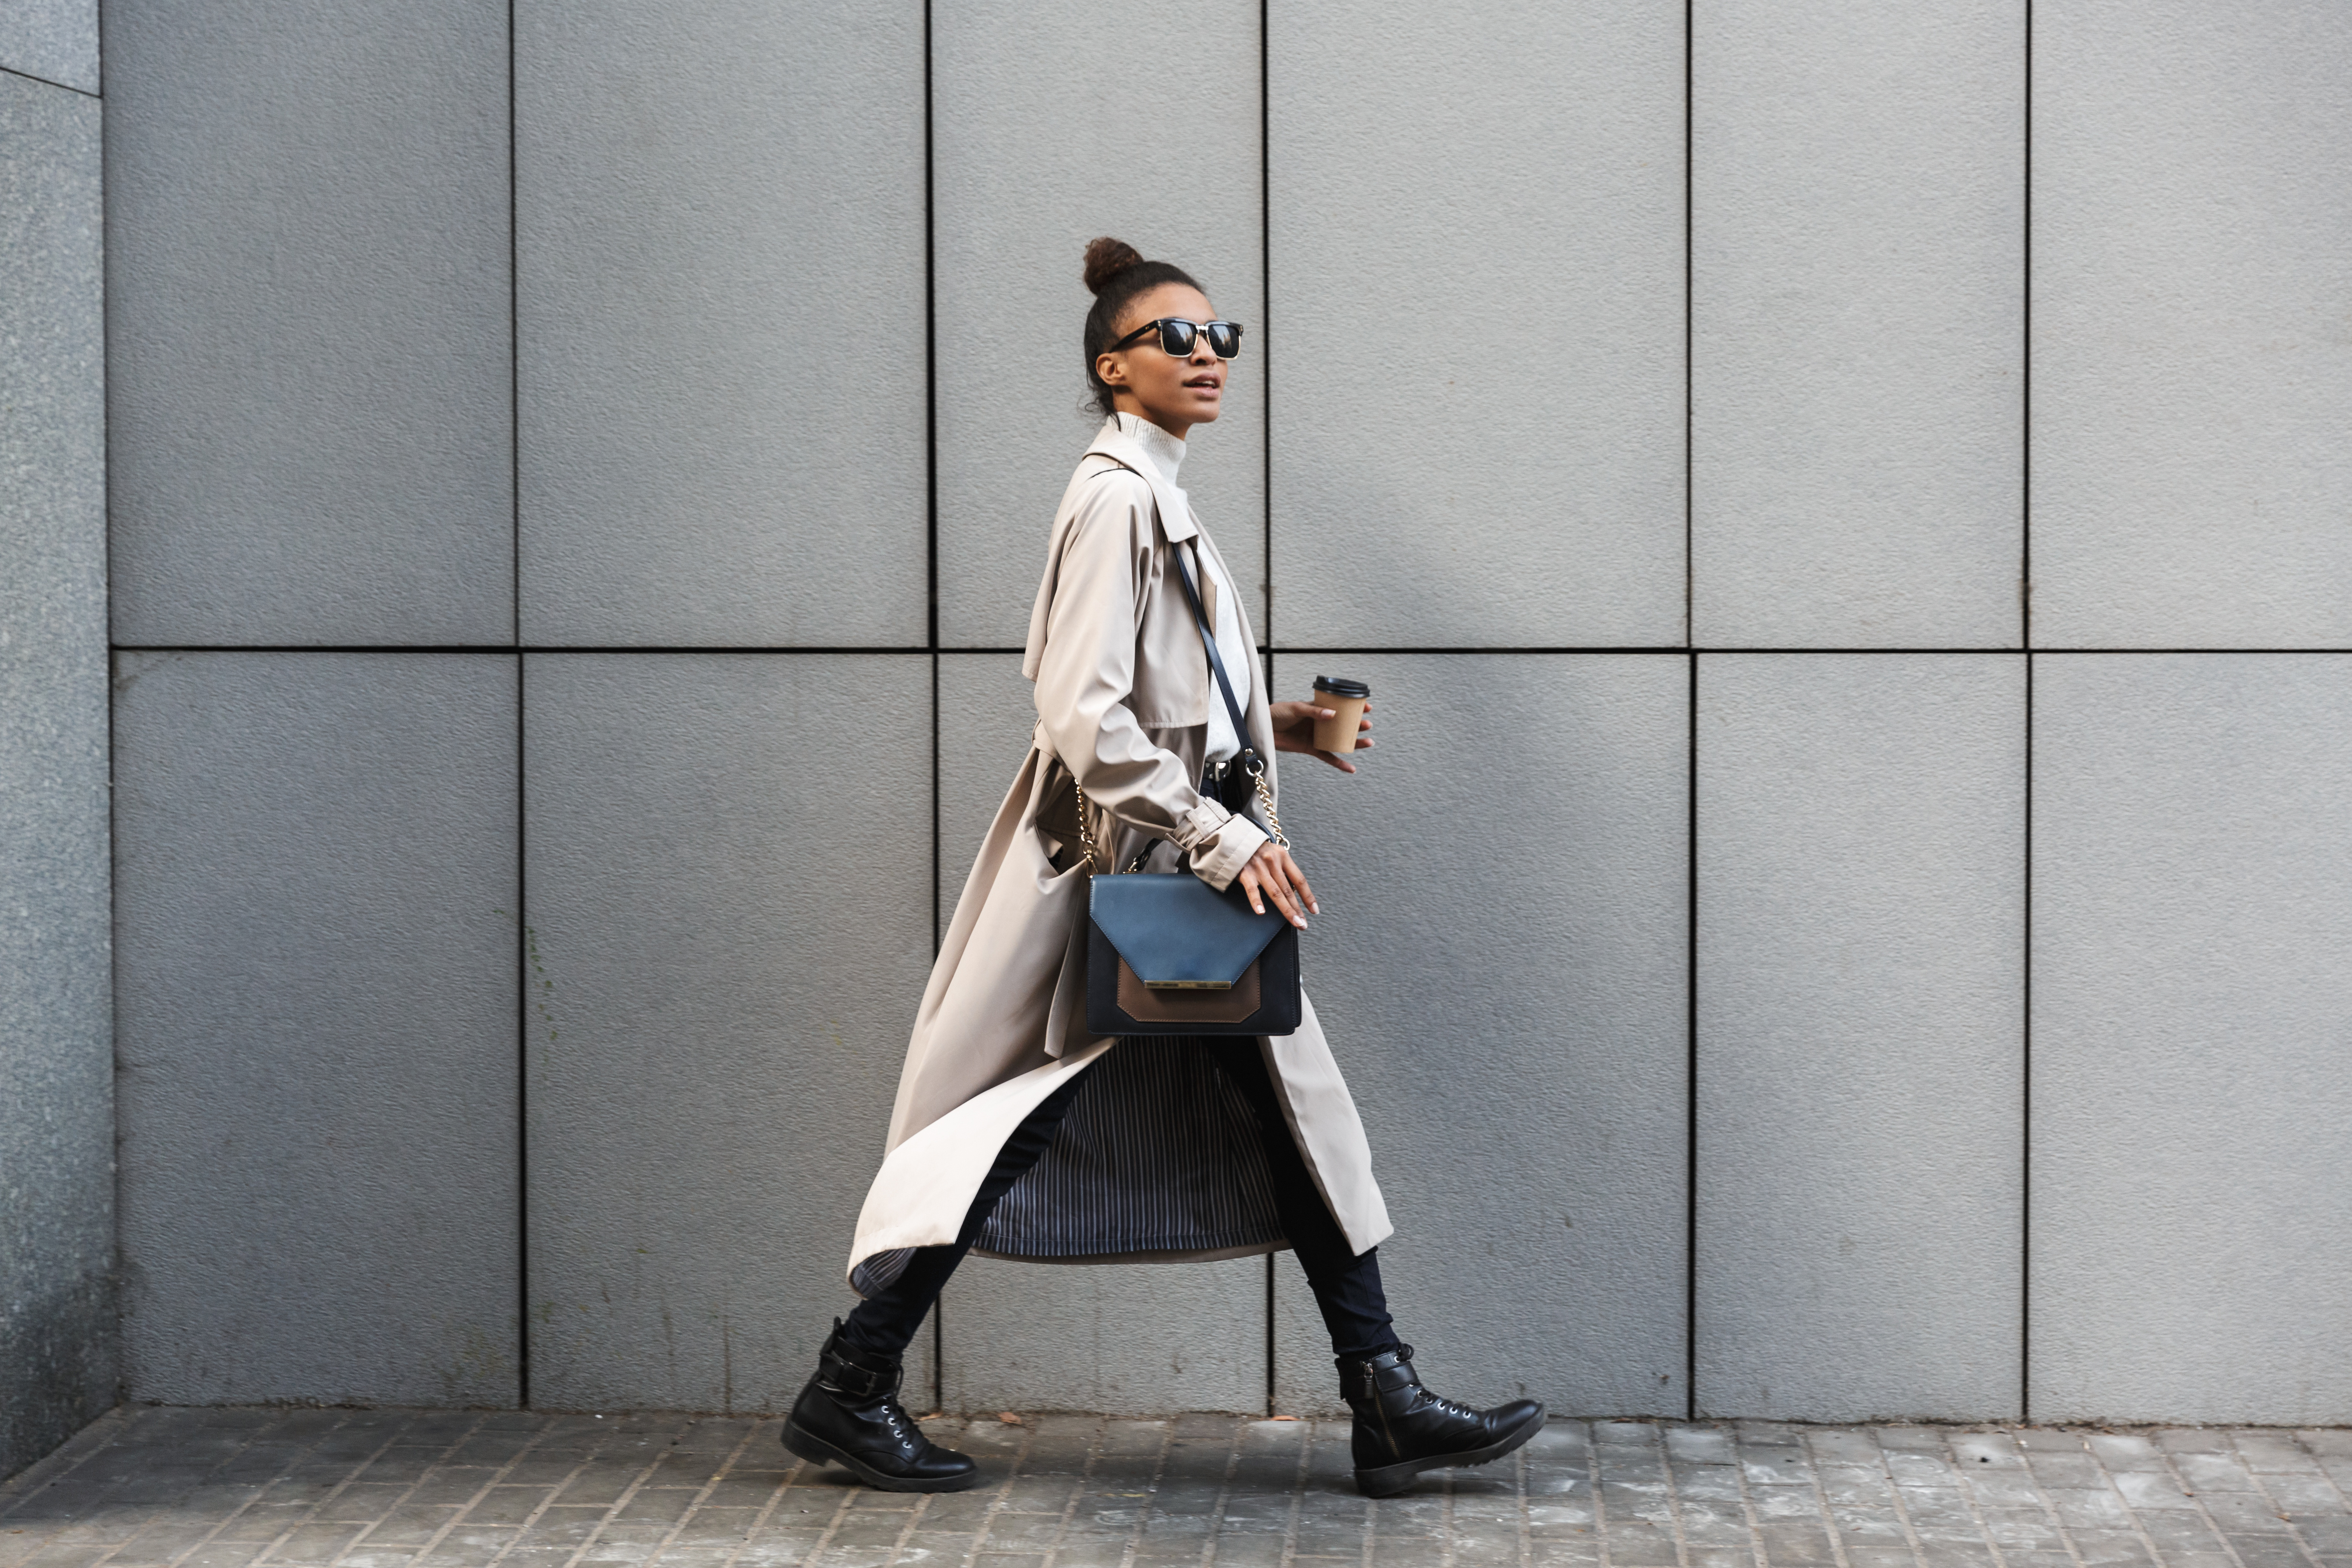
<point x="59" y="1346"/>
<point x="1841" y="513"/>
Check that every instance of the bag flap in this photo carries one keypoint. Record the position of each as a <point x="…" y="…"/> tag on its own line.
<point x="1178" y="929"/>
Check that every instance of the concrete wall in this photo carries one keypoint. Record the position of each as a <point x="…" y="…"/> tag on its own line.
<point x="58" y="1342"/>
<point x="720" y="338"/>
<point x="1861" y="876"/>
<point x="567" y="601"/>
<point x="301" y="1122"/>
<point x="309" y="309"/>
<point x="2192" y="1214"/>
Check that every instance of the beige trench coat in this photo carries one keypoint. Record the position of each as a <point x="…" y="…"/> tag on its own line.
<point x="1123" y="692"/>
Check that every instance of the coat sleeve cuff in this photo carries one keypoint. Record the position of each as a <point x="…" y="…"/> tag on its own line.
<point x="1218" y="858"/>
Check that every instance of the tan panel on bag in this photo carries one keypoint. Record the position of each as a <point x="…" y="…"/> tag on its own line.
<point x="1144" y="1006"/>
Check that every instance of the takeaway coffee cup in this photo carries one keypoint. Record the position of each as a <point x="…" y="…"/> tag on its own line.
<point x="1347" y="699"/>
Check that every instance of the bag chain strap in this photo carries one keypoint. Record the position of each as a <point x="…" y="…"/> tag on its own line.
<point x="1087" y="832"/>
<point x="1265" y="804"/>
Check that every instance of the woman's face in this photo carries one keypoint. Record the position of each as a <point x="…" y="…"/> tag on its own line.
<point x="1174" y="393"/>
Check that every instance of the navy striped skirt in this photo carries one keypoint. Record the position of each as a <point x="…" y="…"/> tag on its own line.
<point x="1159" y="1153"/>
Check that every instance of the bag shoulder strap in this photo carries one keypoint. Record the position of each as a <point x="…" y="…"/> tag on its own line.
<point x="1209" y="642"/>
<point x="1251" y="764"/>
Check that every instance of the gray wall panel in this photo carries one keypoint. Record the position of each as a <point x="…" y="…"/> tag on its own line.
<point x="1861" y="987"/>
<point x="987" y="715"/>
<point x="57" y="1329"/>
<point x="1476" y="324"/>
<point x="1056" y="123"/>
<point x="316" y="930"/>
<point x="720" y="323"/>
<point x="729" y="883"/>
<point x="309" y="322"/>
<point x="55" y="40"/>
<point x="1135" y="1339"/>
<point x="1306" y="1383"/>
<point x="2192" y="842"/>
<point x="1858" y="213"/>
<point x="2190" y="366"/>
<point x="1499" y="966"/>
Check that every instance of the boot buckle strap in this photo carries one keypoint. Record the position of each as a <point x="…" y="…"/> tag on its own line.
<point x="858" y="1382"/>
<point x="1391" y="1369"/>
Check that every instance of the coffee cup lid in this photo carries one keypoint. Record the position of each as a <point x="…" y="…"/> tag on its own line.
<point x="1339" y="686"/>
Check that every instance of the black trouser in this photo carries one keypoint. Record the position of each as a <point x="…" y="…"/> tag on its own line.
<point x="1346" y="1286"/>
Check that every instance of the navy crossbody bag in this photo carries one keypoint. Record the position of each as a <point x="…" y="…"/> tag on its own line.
<point x="1167" y="954"/>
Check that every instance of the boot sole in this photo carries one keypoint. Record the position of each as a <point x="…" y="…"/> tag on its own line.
<point x="1390" y="1480"/>
<point x="816" y="1450"/>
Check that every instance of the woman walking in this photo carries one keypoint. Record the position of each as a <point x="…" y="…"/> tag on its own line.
<point x="1019" y="1134"/>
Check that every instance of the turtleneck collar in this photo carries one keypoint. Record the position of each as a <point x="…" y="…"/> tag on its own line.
<point x="1166" y="452"/>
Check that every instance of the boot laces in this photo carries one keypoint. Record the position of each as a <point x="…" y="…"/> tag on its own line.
<point x="1450" y="1406"/>
<point x="902" y="1425"/>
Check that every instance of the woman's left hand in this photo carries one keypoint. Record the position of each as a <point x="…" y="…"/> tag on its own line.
<point x="1294" y="730"/>
<point x="1272" y="876"/>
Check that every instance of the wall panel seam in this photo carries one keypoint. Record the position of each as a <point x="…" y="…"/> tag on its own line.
<point x="838" y="650"/>
<point x="2025" y="356"/>
<point x="523" y="1050"/>
<point x="1690" y="638"/>
<point x="536" y="651"/>
<point x="113" y="795"/>
<point x="2025" y="1087"/>
<point x="931" y="564"/>
<point x="522" y="903"/>
<point x="1265" y="416"/>
<point x="1690" y="1068"/>
<point x="2025" y="636"/>
<point x="1690" y="273"/>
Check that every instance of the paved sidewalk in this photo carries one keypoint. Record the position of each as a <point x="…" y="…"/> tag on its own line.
<point x="390" y="1488"/>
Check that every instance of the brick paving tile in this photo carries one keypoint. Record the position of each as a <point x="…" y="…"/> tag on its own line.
<point x="2257" y="1553"/>
<point x="2109" y="1546"/>
<point x="1880" y="1556"/>
<point x="2212" y="1473"/>
<point x="1955" y="1554"/>
<point x="323" y="1489"/>
<point x="2121" y="1451"/>
<point x="2264" y="1451"/>
<point x="2327" y="1535"/>
<point x="2298" y="1494"/>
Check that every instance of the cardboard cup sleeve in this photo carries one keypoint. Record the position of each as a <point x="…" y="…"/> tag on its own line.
<point x="1338" y="735"/>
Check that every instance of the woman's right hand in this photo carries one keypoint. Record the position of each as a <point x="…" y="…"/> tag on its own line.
<point x="1294" y="730"/>
<point x="1272" y="874"/>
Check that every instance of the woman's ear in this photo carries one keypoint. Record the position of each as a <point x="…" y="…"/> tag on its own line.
<point x="1111" y="369"/>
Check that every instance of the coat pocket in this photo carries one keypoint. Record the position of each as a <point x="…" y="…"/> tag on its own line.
<point x="1056" y="820"/>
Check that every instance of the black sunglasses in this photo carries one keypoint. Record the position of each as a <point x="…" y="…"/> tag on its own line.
<point x="1176" y="336"/>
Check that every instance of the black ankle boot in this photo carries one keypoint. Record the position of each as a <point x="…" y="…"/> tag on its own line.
<point x="1403" y="1429"/>
<point x="849" y="1414"/>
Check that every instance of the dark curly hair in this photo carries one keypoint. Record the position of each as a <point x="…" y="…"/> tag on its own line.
<point x="1117" y="273"/>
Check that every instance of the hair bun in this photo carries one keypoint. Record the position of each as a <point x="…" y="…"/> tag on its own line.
<point x="1106" y="259"/>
